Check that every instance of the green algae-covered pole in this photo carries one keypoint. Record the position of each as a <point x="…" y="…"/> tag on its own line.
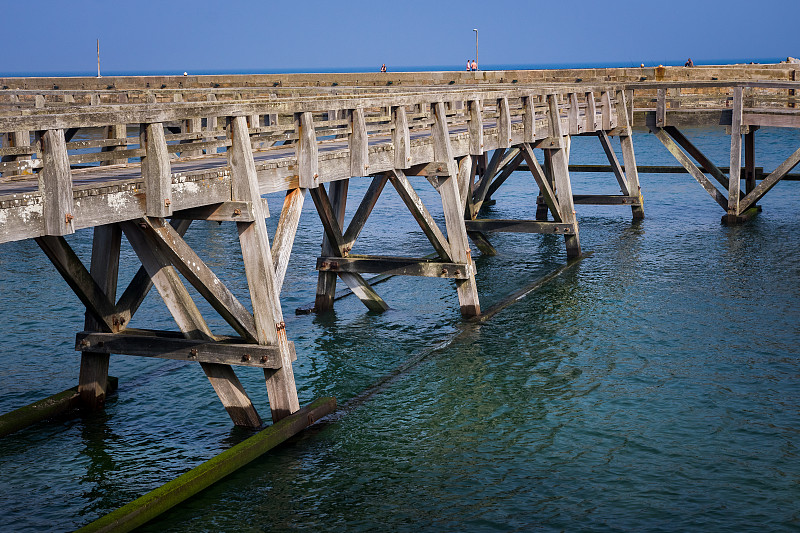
<point x="183" y="487"/>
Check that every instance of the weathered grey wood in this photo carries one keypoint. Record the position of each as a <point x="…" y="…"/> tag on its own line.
<point x="605" y="101"/>
<point x="395" y="266"/>
<point x="734" y="182"/>
<point x="222" y="212"/>
<point x="770" y="181"/>
<point x="661" y="108"/>
<point x="560" y="169"/>
<point x="80" y="280"/>
<point x="699" y="156"/>
<point x="591" y="113"/>
<point x="401" y="137"/>
<point x="211" y="124"/>
<point x="628" y="156"/>
<point x="307" y="151"/>
<point x="519" y="226"/>
<point x="604" y="199"/>
<point x="421" y="214"/>
<point x="547" y="193"/>
<point x="358" y="144"/>
<point x="479" y="195"/>
<point x="191" y="323"/>
<point x="157" y="172"/>
<point x="466" y="177"/>
<point x="528" y="119"/>
<point x="196" y="272"/>
<point x="117" y="132"/>
<point x="104" y="269"/>
<point x="55" y="184"/>
<point x="690" y="167"/>
<point x="613" y="161"/>
<point x="329" y="216"/>
<point x="475" y="127"/>
<point x="285" y="233"/>
<point x="260" y="273"/>
<point x="510" y="167"/>
<point x="453" y="213"/>
<point x="504" y="139"/>
<point x="181" y="349"/>
<point x="750" y="160"/>
<point x="572" y="114"/>
<point x="364" y="210"/>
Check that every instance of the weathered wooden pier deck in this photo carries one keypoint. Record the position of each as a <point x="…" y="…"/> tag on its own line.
<point x="144" y="157"/>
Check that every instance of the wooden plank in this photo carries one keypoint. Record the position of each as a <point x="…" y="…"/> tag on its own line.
<point x="55" y="184"/>
<point x="453" y="213"/>
<point x="612" y="159"/>
<point x="358" y="144"/>
<point x="285" y="233"/>
<point x="395" y="266"/>
<point x="466" y="176"/>
<point x="156" y="172"/>
<point x="421" y="214"/>
<point x="605" y="103"/>
<point x="734" y="182"/>
<point x="604" y="199"/>
<point x="770" y="181"/>
<point x="475" y="127"/>
<point x="80" y="281"/>
<point x="628" y="156"/>
<point x="195" y="350"/>
<point x="560" y="170"/>
<point x="221" y="212"/>
<point x="572" y="114"/>
<point x="202" y="278"/>
<point x="364" y="210"/>
<point x="104" y="269"/>
<point x="528" y="119"/>
<point x="519" y="226"/>
<point x="307" y="151"/>
<point x="401" y="137"/>
<point x="591" y="113"/>
<point x="504" y="139"/>
<point x="690" y="167"/>
<point x="661" y="108"/>
<point x="479" y="195"/>
<point x="750" y="160"/>
<point x="116" y="132"/>
<point x="260" y="272"/>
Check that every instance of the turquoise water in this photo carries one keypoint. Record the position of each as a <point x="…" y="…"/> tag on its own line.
<point x="653" y="387"/>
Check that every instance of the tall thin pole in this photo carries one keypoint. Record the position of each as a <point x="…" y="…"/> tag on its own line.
<point x="476" y="47"/>
<point x="98" y="58"/>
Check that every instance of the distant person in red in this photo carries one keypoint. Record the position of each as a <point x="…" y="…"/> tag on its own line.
<point x="689" y="63"/>
<point x="383" y="67"/>
<point x="474" y="65"/>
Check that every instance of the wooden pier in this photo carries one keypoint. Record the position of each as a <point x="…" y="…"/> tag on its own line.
<point x="144" y="157"/>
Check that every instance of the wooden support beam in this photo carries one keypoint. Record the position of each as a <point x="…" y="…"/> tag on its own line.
<point x="690" y="167"/>
<point x="285" y="232"/>
<point x="605" y="103"/>
<point x="699" y="156"/>
<point x="358" y="145"/>
<point x="613" y="161"/>
<point x="604" y="199"/>
<point x="401" y="137"/>
<point x="260" y="271"/>
<point x="628" y="156"/>
<point x="453" y="213"/>
<point x="572" y="114"/>
<point x="770" y="181"/>
<point x="421" y="214"/>
<point x="55" y="184"/>
<point x="202" y="278"/>
<point x="227" y="386"/>
<point x="475" y="127"/>
<point x="504" y="139"/>
<point x="501" y="178"/>
<point x="528" y="119"/>
<point x="104" y="269"/>
<point x="307" y="150"/>
<point x="156" y="171"/>
<point x="479" y="195"/>
<point x="547" y="193"/>
<point x="591" y="113"/>
<point x="91" y="295"/>
<point x="328" y="215"/>
<point x="222" y="212"/>
<point x="364" y="210"/>
<point x="560" y="169"/>
<point x="661" y="108"/>
<point x="750" y="160"/>
<point x="140" y="343"/>
<point x="735" y="182"/>
<point x="466" y="176"/>
<point x="519" y="226"/>
<point x="117" y="131"/>
<point x="395" y="266"/>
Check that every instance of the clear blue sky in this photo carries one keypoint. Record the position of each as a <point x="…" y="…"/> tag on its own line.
<point x="200" y="35"/>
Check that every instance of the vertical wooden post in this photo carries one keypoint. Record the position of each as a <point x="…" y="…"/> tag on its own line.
<point x="541" y="205"/>
<point x="156" y="171"/>
<point x="528" y="119"/>
<point x="750" y="159"/>
<point x="591" y="112"/>
<point x="475" y="128"/>
<point x="573" y="114"/>
<point x="734" y="181"/>
<point x="55" y="184"/>
<point x="117" y="131"/>
<point x="454" y="214"/>
<point x="628" y="157"/>
<point x="401" y="138"/>
<point x="307" y="151"/>
<point x="560" y="170"/>
<point x="358" y="145"/>
<point x="605" y="102"/>
<point x="661" y="108"/>
<point x="326" y="282"/>
<point x="260" y="272"/>
<point x="211" y="124"/>
<point x="504" y="139"/>
<point x="104" y="268"/>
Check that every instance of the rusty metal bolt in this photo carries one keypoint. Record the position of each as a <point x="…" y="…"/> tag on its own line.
<point x="85" y="343"/>
<point x="69" y="218"/>
<point x="237" y="212"/>
<point x="264" y="359"/>
<point x="245" y="357"/>
<point x="444" y="272"/>
<point x="193" y="352"/>
<point x="280" y="326"/>
<point x="458" y="272"/>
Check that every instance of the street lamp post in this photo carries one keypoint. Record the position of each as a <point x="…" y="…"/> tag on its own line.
<point x="476" y="46"/>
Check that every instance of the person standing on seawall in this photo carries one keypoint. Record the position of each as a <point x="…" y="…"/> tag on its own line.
<point x="468" y="66"/>
<point x="383" y="67"/>
<point x="474" y="65"/>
